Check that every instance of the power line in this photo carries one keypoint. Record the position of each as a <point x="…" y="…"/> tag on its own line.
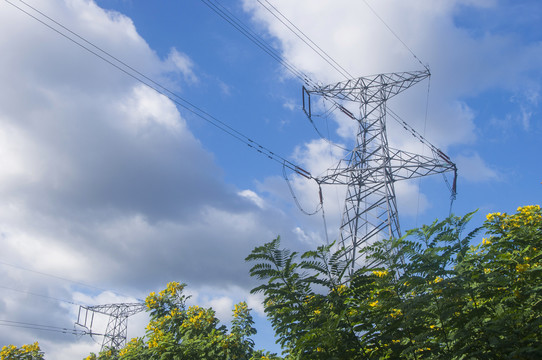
<point x="245" y="30"/>
<point x="58" y="277"/>
<point x="38" y="295"/>
<point x="395" y="34"/>
<point x="292" y="192"/>
<point x="147" y="81"/>
<point x="238" y="24"/>
<point x="304" y="38"/>
<point x="233" y="20"/>
<point x="26" y="325"/>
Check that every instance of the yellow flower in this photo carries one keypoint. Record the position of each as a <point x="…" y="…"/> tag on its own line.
<point x="150" y="301"/>
<point x="491" y="216"/>
<point x="486" y="242"/>
<point x="396" y="312"/>
<point x="380" y="273"/>
<point x="374" y="303"/>
<point x="317" y="312"/>
<point x="487" y="271"/>
<point x="340" y="289"/>
<point x="30" y="347"/>
<point x="522" y="267"/>
<point x="173" y="287"/>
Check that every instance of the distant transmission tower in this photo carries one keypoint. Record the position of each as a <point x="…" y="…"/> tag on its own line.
<point x="372" y="167"/>
<point x="117" y="325"/>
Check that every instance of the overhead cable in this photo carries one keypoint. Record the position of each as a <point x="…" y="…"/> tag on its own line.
<point x="92" y="48"/>
<point x="295" y="197"/>
<point x="26" y="325"/>
<point x="58" y="277"/>
<point x="39" y="295"/>
<point x="233" y="20"/>
<point x="395" y="34"/>
<point x="304" y="38"/>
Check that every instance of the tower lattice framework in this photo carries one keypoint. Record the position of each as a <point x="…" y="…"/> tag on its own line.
<point x="117" y="324"/>
<point x="370" y="170"/>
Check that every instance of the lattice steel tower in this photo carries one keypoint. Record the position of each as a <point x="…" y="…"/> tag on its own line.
<point x="117" y="325"/>
<point x="372" y="167"/>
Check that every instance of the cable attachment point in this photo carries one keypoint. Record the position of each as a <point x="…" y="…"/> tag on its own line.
<point x="306" y="101"/>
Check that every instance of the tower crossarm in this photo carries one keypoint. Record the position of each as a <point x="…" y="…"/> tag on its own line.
<point x="405" y="165"/>
<point x="122" y="309"/>
<point x="372" y="89"/>
<point x="402" y="165"/>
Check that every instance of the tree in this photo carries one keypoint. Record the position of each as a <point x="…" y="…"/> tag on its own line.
<point x="309" y="324"/>
<point x="432" y="294"/>
<point x="178" y="331"/>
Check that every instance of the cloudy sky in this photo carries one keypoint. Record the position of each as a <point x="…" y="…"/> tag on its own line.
<point x="110" y="189"/>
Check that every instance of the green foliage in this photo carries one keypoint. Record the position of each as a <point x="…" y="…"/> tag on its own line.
<point x="432" y="295"/>
<point x="176" y="331"/>
<point x="309" y="324"/>
<point x="25" y="352"/>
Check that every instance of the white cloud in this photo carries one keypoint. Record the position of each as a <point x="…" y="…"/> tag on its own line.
<point x="318" y="156"/>
<point x="252" y="196"/>
<point x="411" y="201"/>
<point x="473" y="168"/>
<point x="102" y="181"/>
<point x="182" y="63"/>
<point x="144" y="107"/>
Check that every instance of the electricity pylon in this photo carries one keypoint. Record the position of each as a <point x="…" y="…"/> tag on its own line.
<point x="372" y="167"/>
<point x="117" y="325"/>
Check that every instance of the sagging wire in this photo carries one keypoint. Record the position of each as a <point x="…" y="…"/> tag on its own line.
<point x="295" y="197"/>
<point x="319" y="207"/>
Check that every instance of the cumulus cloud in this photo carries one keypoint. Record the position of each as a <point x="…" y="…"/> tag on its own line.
<point x="252" y="196"/>
<point x="182" y="63"/>
<point x="474" y="168"/>
<point x="102" y="180"/>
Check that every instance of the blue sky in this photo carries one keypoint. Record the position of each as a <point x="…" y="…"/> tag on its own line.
<point x="108" y="184"/>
